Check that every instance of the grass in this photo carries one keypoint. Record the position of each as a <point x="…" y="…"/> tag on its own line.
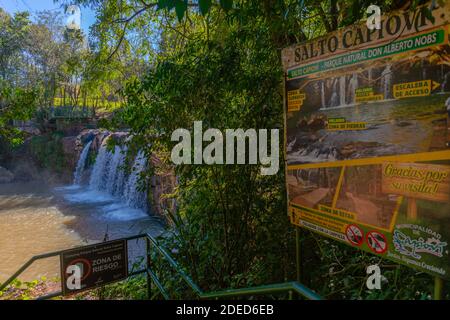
<point x="106" y="106"/>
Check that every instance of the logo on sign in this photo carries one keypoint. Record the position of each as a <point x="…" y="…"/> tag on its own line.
<point x="74" y="279"/>
<point x="374" y="279"/>
<point x="73" y="22"/>
<point x="408" y="246"/>
<point x="374" y="20"/>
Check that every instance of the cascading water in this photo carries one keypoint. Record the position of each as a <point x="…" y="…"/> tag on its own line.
<point x="446" y="82"/>
<point x="386" y="80"/>
<point x="97" y="180"/>
<point x="116" y="191"/>
<point x="322" y="94"/>
<point x="81" y="164"/>
<point x="134" y="197"/>
<point x="334" y="100"/>
<point x="120" y="175"/>
<point x="369" y="75"/>
<point x="352" y="87"/>
<point x="108" y="175"/>
<point x="114" y="170"/>
<point x="342" y="91"/>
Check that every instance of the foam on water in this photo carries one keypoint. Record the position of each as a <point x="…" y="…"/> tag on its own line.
<point x="88" y="196"/>
<point x="118" y="211"/>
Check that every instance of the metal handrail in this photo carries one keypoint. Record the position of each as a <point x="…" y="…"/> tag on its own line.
<point x="152" y="277"/>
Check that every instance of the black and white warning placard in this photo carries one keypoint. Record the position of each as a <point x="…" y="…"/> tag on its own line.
<point x="92" y="266"/>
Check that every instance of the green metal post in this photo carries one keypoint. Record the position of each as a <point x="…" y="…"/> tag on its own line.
<point x="149" y="279"/>
<point x="298" y="256"/>
<point x="298" y="253"/>
<point x="438" y="288"/>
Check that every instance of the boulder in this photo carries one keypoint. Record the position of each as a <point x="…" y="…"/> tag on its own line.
<point x="6" y="176"/>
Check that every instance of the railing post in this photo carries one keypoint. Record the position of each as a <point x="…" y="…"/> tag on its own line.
<point x="149" y="279"/>
<point x="438" y="288"/>
<point x="298" y="256"/>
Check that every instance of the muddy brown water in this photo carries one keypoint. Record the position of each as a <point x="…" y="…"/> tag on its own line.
<point x="37" y="218"/>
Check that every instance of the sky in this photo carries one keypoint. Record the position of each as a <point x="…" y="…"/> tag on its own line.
<point x="33" y="6"/>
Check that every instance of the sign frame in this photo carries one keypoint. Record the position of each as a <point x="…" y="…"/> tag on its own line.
<point x="122" y="248"/>
<point x="441" y="30"/>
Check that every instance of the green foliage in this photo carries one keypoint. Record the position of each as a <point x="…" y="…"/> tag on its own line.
<point x="181" y="6"/>
<point x="47" y="150"/>
<point x="15" y="104"/>
<point x="19" y="290"/>
<point x="134" y="288"/>
<point x="338" y="271"/>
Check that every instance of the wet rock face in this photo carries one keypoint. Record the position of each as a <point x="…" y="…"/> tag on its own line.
<point x="317" y="122"/>
<point x="88" y="135"/>
<point x="6" y="176"/>
<point x="119" y="137"/>
<point x="98" y="141"/>
<point x="98" y="138"/>
<point x="94" y="135"/>
<point x="71" y="150"/>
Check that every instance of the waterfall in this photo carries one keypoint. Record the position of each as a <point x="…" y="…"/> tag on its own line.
<point x="98" y="177"/>
<point x="353" y="85"/>
<point x="446" y="82"/>
<point x="81" y="164"/>
<point x="386" y="80"/>
<point x="135" y="198"/>
<point x="342" y="91"/>
<point x="334" y="96"/>
<point x="108" y="176"/>
<point x="424" y="70"/>
<point x="114" y="170"/>
<point x="322" y="94"/>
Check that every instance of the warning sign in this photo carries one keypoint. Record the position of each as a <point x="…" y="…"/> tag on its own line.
<point x="92" y="266"/>
<point x="295" y="100"/>
<point x="367" y="94"/>
<point x="354" y="235"/>
<point x="376" y="242"/>
<point x="414" y="89"/>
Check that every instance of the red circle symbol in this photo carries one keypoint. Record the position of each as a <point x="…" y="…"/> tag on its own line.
<point x="354" y="234"/>
<point x="376" y="242"/>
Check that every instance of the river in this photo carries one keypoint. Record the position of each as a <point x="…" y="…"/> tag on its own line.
<point x="36" y="218"/>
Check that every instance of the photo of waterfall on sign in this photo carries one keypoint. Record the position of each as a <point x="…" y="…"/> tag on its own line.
<point x="383" y="108"/>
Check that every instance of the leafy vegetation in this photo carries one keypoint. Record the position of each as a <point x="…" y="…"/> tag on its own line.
<point x="47" y="151"/>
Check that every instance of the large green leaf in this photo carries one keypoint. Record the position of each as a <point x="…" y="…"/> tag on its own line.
<point x="162" y="4"/>
<point x="204" y="6"/>
<point x="180" y="8"/>
<point x="226" y="4"/>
